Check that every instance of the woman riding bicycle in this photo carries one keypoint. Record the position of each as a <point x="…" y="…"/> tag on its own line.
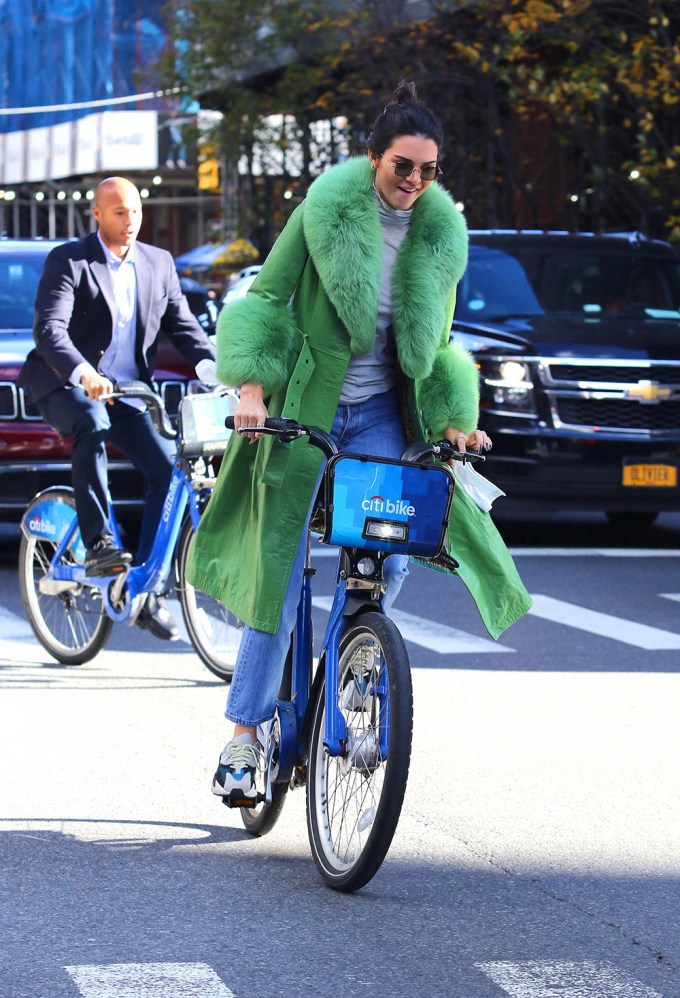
<point x="346" y="327"/>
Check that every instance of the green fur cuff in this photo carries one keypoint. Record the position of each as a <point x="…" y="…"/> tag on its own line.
<point x="450" y="395"/>
<point x="256" y="342"/>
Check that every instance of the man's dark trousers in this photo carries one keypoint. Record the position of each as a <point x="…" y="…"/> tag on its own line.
<point x="92" y="424"/>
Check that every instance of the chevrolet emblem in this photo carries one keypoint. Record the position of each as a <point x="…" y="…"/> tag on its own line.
<point x="647" y="391"/>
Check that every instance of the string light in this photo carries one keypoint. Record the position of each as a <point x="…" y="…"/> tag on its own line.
<point x="82" y="105"/>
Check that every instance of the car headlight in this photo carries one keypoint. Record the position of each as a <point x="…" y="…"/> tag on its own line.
<point x="507" y="384"/>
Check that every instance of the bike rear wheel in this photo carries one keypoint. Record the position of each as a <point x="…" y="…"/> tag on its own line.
<point x="354" y="800"/>
<point x="213" y="630"/>
<point x="71" y="625"/>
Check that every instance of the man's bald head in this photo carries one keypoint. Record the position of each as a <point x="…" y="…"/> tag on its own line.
<point x="115" y="187"/>
<point x="118" y="211"/>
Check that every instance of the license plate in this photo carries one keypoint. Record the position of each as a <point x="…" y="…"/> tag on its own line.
<point x="654" y="475"/>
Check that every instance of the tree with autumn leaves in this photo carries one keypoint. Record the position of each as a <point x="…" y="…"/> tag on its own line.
<point x="558" y="113"/>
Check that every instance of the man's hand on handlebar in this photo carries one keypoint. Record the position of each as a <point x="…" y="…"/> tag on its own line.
<point x="96" y="385"/>
<point x="251" y="411"/>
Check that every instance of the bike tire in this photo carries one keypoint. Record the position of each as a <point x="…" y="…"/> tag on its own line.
<point x="72" y="626"/>
<point x="260" y="820"/>
<point x="213" y="630"/>
<point x="354" y="800"/>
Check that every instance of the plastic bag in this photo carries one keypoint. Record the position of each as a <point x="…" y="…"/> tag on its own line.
<point x="480" y="489"/>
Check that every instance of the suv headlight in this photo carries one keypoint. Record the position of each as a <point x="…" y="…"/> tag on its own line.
<point x="507" y="384"/>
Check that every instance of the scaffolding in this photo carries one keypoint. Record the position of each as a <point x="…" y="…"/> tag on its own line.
<point x="65" y="52"/>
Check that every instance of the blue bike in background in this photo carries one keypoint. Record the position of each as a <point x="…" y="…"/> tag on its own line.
<point x="345" y="730"/>
<point x="72" y="614"/>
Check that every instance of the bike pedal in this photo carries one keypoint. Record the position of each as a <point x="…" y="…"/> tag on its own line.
<point x="235" y="799"/>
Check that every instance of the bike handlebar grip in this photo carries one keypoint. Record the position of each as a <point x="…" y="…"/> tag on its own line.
<point x="278" y="425"/>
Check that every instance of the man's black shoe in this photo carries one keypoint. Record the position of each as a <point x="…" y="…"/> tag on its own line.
<point x="105" y="558"/>
<point x="156" y="618"/>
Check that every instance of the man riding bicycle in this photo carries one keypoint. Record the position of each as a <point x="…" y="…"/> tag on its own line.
<point x="101" y="305"/>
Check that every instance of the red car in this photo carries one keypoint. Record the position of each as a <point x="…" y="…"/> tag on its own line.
<point x="32" y="454"/>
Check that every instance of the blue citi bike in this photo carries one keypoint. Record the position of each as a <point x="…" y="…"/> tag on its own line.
<point x="344" y="730"/>
<point x="72" y="614"/>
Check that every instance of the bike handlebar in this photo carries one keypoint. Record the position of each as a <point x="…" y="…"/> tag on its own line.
<point x="288" y="429"/>
<point x="142" y="391"/>
<point x="445" y="450"/>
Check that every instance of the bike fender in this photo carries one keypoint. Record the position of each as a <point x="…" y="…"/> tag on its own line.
<point x="50" y="519"/>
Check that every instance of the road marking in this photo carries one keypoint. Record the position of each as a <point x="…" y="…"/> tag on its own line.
<point x="431" y="634"/>
<point x="13" y="627"/>
<point x="149" y="980"/>
<point x="331" y="551"/>
<point x="607" y="626"/>
<point x="547" y="978"/>
<point x="675" y="596"/>
<point x="595" y="552"/>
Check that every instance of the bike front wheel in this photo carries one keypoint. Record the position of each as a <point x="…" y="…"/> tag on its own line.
<point x="68" y="619"/>
<point x="213" y="630"/>
<point x="354" y="799"/>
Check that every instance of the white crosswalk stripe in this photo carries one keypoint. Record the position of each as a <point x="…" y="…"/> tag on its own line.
<point x="564" y="979"/>
<point x="526" y="979"/>
<point x="18" y="642"/>
<point x="603" y="624"/>
<point x="148" y="980"/>
<point x="431" y="634"/>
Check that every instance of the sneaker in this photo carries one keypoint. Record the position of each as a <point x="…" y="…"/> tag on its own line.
<point x="237" y="769"/>
<point x="155" y="617"/>
<point x="355" y="695"/>
<point x="106" y="558"/>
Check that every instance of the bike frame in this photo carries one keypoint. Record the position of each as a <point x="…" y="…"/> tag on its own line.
<point x="138" y="579"/>
<point x="291" y="715"/>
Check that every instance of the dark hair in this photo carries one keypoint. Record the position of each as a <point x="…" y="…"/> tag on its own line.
<point x="404" y="114"/>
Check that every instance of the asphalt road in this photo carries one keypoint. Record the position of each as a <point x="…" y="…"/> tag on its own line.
<point x="537" y="854"/>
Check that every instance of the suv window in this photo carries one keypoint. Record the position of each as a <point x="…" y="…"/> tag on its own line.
<point x="528" y="281"/>
<point x="19" y="276"/>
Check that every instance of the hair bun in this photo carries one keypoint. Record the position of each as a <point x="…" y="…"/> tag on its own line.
<point x="405" y="93"/>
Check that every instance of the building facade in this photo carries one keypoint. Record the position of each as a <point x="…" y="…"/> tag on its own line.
<point x="79" y="101"/>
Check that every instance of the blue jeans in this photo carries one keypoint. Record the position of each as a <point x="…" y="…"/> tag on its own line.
<point x="371" y="427"/>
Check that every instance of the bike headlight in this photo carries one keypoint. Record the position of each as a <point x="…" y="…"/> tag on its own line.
<point x="386" y="530"/>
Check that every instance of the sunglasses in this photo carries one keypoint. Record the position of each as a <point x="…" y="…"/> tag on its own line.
<point x="404" y="168"/>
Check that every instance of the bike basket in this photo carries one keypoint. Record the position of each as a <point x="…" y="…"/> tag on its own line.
<point x="201" y="423"/>
<point x="383" y="505"/>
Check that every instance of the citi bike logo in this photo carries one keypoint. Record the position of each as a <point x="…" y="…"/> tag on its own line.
<point x="44" y="527"/>
<point x="170" y="499"/>
<point x="378" y="504"/>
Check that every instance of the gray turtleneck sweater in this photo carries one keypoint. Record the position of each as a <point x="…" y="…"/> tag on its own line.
<point x="376" y="371"/>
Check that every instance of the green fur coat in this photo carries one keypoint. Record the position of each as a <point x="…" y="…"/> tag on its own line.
<point x="314" y="304"/>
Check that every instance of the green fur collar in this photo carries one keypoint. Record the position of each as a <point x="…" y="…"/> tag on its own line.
<point x="343" y="234"/>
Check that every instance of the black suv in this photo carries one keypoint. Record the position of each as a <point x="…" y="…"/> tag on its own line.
<point x="577" y="339"/>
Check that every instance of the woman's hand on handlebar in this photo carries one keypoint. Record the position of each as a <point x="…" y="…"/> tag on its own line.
<point x="477" y="440"/>
<point x="251" y="410"/>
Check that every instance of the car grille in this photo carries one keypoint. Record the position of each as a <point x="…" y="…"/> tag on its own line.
<point x="14" y="406"/>
<point x="665" y="374"/>
<point x="619" y="414"/>
<point x="8" y="401"/>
